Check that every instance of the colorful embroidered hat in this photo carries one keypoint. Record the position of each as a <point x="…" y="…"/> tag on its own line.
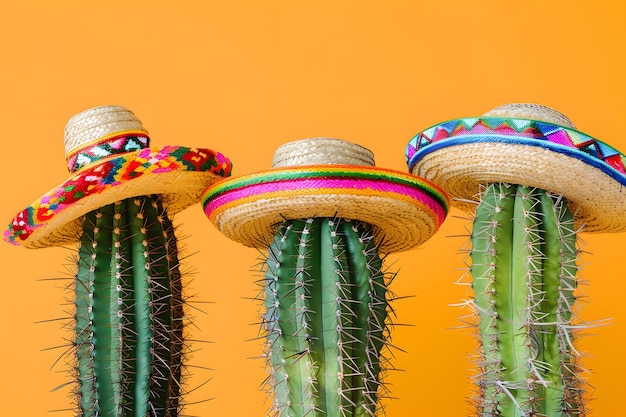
<point x="526" y="144"/>
<point x="109" y="159"/>
<point x="324" y="177"/>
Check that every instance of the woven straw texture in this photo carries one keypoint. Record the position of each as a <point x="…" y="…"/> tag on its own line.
<point x="98" y="122"/>
<point x="119" y="167"/>
<point x="595" y="195"/>
<point x="404" y="210"/>
<point x="317" y="151"/>
<point x="398" y="225"/>
<point x="531" y="111"/>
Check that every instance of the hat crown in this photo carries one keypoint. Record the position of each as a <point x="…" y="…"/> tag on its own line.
<point x="96" y="123"/>
<point x="531" y="111"/>
<point x="321" y="151"/>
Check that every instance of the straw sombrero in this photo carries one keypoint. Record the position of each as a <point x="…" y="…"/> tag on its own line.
<point x="108" y="155"/>
<point x="324" y="177"/>
<point x="530" y="145"/>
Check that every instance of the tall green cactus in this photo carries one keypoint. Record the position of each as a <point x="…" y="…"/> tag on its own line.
<point x="326" y="314"/>
<point x="129" y="319"/>
<point x="325" y="293"/>
<point x="129" y="312"/>
<point x="524" y="277"/>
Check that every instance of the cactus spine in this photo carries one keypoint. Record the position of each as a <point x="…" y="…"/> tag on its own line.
<point x="325" y="319"/>
<point x="524" y="277"/>
<point x="129" y="312"/>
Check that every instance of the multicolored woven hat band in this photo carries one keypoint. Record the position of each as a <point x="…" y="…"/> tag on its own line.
<point x="115" y="144"/>
<point x="289" y="182"/>
<point x="519" y="131"/>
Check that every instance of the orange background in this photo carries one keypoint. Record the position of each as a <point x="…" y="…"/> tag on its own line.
<point x="244" y="77"/>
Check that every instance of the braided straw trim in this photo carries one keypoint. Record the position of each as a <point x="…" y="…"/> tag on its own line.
<point x="317" y="151"/>
<point x="96" y="123"/>
<point x="597" y="200"/>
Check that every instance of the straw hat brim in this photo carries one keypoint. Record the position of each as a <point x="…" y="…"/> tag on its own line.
<point x="462" y="155"/>
<point x="403" y="209"/>
<point x="179" y="174"/>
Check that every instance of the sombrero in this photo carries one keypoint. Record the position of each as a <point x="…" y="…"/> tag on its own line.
<point x="323" y="177"/>
<point x="108" y="155"/>
<point x="526" y="144"/>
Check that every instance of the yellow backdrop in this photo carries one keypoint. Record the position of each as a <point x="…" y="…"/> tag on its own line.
<point x="243" y="77"/>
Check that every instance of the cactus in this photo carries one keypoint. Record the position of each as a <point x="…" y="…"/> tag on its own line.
<point x="325" y="214"/>
<point x="542" y="183"/>
<point x="129" y="311"/>
<point x="326" y="314"/>
<point x="524" y="277"/>
<point x="129" y="321"/>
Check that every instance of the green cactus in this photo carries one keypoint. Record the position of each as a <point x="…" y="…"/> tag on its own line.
<point x="524" y="265"/>
<point x="128" y="348"/>
<point x="129" y="312"/>
<point x="326" y="318"/>
<point x="325" y="213"/>
<point x="533" y="176"/>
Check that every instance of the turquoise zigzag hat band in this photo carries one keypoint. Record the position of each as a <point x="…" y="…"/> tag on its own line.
<point x="518" y="131"/>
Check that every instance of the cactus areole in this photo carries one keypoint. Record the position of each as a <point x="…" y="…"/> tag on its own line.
<point x="325" y="224"/>
<point x="534" y="180"/>
<point x="128" y="287"/>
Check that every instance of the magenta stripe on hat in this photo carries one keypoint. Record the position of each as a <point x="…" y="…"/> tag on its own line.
<point x="291" y="187"/>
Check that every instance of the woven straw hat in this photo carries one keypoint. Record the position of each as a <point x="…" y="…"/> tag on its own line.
<point x="108" y="155"/>
<point x="324" y="177"/>
<point x="526" y="144"/>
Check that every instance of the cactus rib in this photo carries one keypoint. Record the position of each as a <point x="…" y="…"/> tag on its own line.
<point x="129" y="311"/>
<point x="325" y="316"/>
<point x="524" y="276"/>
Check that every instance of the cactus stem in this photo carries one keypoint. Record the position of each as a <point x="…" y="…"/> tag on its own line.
<point x="523" y="260"/>
<point x="129" y="323"/>
<point x="325" y="316"/>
